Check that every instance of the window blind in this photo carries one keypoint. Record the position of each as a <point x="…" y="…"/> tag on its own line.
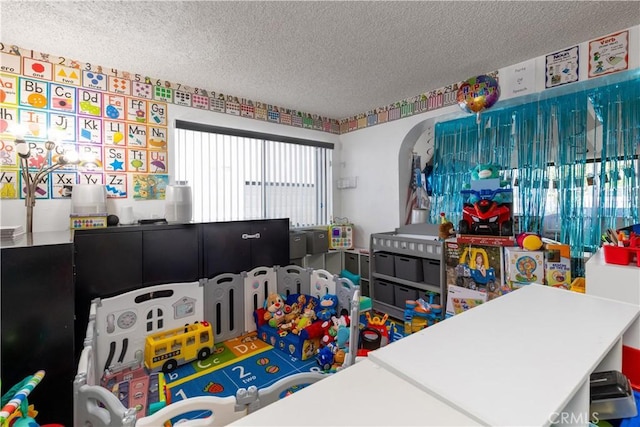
<point x="241" y="175"/>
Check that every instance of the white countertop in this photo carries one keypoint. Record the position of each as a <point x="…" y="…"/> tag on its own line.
<point x="361" y="395"/>
<point x="515" y="360"/>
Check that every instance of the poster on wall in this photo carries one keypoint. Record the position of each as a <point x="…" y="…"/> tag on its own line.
<point x="609" y="54"/>
<point x="518" y="80"/>
<point x="562" y="67"/>
<point x="149" y="187"/>
<point x="113" y="133"/>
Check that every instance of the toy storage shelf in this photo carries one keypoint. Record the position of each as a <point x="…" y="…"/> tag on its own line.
<point x="418" y="247"/>
<point x="357" y="262"/>
<point x="519" y="371"/>
<point x="330" y="261"/>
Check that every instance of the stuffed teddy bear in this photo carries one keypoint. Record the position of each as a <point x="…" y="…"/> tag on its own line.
<point x="274" y="313"/>
<point x="445" y="229"/>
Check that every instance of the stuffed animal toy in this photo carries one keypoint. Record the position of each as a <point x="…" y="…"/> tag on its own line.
<point x="342" y="338"/>
<point x="292" y="312"/>
<point x="331" y="330"/>
<point x="486" y="172"/>
<point x="308" y="316"/>
<point x="445" y="229"/>
<point x="328" y="306"/>
<point x="275" y="310"/>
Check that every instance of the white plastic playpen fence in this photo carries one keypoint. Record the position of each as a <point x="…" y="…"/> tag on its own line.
<point x="118" y="326"/>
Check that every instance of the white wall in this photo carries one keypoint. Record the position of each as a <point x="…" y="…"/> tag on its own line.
<point x="380" y="156"/>
<point x="53" y="215"/>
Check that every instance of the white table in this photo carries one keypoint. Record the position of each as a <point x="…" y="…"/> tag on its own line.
<point x="361" y="395"/>
<point x="521" y="359"/>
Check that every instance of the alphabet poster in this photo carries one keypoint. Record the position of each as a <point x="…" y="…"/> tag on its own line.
<point x="114" y="124"/>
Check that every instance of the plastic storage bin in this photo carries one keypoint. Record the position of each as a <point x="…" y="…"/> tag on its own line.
<point x="383" y="291"/>
<point x="317" y="241"/>
<point x="402" y="294"/>
<point x="621" y="255"/>
<point x="351" y="262"/>
<point x="408" y="268"/>
<point x="385" y="263"/>
<point x="631" y="365"/>
<point x="297" y="244"/>
<point x="611" y="396"/>
<point x="364" y="266"/>
<point x="431" y="271"/>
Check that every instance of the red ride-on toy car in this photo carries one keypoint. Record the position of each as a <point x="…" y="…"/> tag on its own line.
<point x="485" y="215"/>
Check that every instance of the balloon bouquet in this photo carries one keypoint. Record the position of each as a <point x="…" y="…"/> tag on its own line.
<point x="477" y="94"/>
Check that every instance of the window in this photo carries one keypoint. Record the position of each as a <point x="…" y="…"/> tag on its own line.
<point x="605" y="190"/>
<point x="241" y="175"/>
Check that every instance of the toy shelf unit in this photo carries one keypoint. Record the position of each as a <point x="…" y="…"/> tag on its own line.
<point x="406" y="265"/>
<point x="356" y="261"/>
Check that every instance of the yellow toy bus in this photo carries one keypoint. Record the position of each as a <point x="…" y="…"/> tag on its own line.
<point x="166" y="350"/>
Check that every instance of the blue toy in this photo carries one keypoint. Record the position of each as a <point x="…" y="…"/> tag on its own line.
<point x="325" y="358"/>
<point x="342" y="338"/>
<point x="486" y="177"/>
<point x="327" y="307"/>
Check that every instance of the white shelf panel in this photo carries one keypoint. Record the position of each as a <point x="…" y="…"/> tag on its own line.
<point x="616" y="282"/>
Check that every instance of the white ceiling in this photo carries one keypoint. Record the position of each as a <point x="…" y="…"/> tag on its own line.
<point x="335" y="59"/>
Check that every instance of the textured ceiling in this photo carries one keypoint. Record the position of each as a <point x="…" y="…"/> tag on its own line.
<point x="335" y="59"/>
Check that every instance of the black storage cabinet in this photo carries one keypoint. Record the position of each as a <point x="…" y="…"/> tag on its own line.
<point x="236" y="246"/>
<point x="37" y="324"/>
<point x="114" y="260"/>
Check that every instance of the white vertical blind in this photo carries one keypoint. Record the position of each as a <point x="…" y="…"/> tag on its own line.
<point x="239" y="178"/>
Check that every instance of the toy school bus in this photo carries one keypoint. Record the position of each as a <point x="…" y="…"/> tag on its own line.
<point x="167" y="349"/>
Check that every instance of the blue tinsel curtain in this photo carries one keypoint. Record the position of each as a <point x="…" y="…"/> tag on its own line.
<point x="617" y="108"/>
<point x="459" y="146"/>
<point x="572" y="160"/>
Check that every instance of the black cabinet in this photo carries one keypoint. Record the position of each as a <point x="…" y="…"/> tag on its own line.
<point x="107" y="263"/>
<point x="233" y="247"/>
<point x="171" y="255"/>
<point x="37" y="322"/>
<point x="114" y="260"/>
